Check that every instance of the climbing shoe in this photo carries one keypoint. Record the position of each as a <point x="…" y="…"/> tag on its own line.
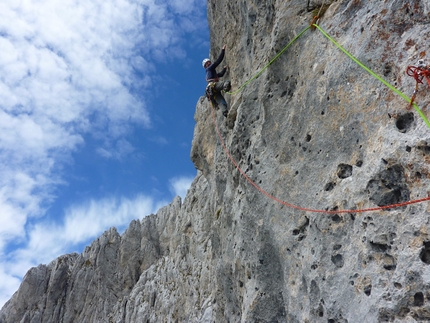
<point x="224" y="113"/>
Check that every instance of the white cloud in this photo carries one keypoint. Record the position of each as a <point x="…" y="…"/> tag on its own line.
<point x="88" y="220"/>
<point x="8" y="286"/>
<point x="69" y="69"/>
<point x="82" y="223"/>
<point x="159" y="140"/>
<point x="121" y="149"/>
<point x="180" y="185"/>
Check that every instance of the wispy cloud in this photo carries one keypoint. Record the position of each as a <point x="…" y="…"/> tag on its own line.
<point x="180" y="185"/>
<point x="121" y="149"/>
<point x="83" y="222"/>
<point x="71" y="69"/>
<point x="160" y="140"/>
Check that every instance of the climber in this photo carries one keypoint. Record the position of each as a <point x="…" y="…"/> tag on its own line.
<point x="214" y="88"/>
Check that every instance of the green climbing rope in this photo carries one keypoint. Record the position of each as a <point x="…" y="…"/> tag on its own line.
<point x="404" y="96"/>
<point x="270" y="63"/>
<point x="401" y="94"/>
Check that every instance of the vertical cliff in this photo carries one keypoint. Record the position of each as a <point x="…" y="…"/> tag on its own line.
<point x="314" y="130"/>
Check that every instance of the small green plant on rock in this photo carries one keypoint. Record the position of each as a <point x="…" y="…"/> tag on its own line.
<point x="218" y="212"/>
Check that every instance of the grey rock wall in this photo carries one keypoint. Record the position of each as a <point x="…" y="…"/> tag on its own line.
<point x="314" y="130"/>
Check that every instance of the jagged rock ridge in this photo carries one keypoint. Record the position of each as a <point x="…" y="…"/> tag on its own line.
<point x="314" y="130"/>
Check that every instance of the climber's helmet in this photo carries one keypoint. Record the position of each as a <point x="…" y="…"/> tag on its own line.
<point x="205" y="61"/>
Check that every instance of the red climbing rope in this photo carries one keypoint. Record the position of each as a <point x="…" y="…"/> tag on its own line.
<point x="372" y="209"/>
<point x="418" y="73"/>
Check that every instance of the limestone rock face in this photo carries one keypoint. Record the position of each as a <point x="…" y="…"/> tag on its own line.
<point x="313" y="130"/>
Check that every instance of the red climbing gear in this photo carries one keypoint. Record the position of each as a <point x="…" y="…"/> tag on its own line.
<point x="420" y="72"/>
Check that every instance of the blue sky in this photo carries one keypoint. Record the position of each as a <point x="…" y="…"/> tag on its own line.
<point x="97" y="100"/>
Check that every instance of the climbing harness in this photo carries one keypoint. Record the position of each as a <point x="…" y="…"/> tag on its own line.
<point x="418" y="74"/>
<point x="211" y="94"/>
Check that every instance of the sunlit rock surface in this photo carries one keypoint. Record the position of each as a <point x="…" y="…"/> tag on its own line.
<point x="314" y="130"/>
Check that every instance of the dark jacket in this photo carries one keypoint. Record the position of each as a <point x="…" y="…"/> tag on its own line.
<point x="211" y="74"/>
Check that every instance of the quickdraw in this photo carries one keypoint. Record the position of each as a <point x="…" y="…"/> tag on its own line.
<point x="419" y="72"/>
<point x="318" y="13"/>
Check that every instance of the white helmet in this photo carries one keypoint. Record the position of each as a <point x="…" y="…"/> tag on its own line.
<point x="205" y="61"/>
